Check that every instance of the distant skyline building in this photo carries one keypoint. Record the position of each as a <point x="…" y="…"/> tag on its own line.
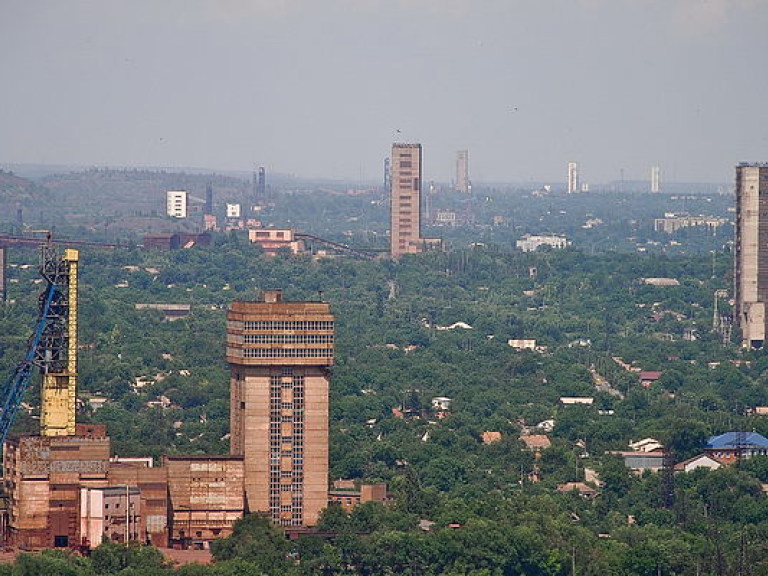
<point x="655" y="179"/>
<point x="573" y="177"/>
<point x="233" y="210"/>
<point x="462" y="171"/>
<point x="176" y="203"/>
<point x="280" y="354"/>
<point x="751" y="266"/>
<point x="261" y="184"/>
<point x="2" y="274"/>
<point x="208" y="199"/>
<point x="405" y="208"/>
<point x="387" y="176"/>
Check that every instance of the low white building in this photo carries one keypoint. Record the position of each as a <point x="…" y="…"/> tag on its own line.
<point x="530" y="242"/>
<point x="233" y="210"/>
<point x="700" y="461"/>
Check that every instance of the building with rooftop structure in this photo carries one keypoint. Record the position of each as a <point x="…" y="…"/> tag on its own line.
<point x="405" y="202"/>
<point x="280" y="354"/>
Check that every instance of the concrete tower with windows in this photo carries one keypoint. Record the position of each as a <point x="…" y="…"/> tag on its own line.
<point x="462" y="171"/>
<point x="280" y="354"/>
<point x="751" y="265"/>
<point x="405" y="209"/>
<point x="573" y="178"/>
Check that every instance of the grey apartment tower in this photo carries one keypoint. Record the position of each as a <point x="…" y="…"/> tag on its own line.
<point x="751" y="259"/>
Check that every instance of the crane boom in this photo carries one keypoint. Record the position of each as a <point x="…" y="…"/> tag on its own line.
<point x="16" y="385"/>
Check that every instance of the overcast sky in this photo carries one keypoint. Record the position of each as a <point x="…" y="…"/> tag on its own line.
<point x="321" y="88"/>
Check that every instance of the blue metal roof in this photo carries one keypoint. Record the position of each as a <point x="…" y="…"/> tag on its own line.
<point x="738" y="439"/>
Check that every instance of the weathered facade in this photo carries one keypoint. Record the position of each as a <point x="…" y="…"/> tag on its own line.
<point x="751" y="266"/>
<point x="280" y="354"/>
<point x="206" y="497"/>
<point x="405" y="205"/>
<point x="43" y="478"/>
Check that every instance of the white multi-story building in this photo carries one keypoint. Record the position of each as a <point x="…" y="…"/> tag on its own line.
<point x="655" y="179"/>
<point x="573" y="177"/>
<point x="462" y="171"/>
<point x="233" y="210"/>
<point x="176" y="203"/>
<point x="529" y="242"/>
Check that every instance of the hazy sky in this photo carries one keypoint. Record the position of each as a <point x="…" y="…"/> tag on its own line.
<point x="320" y="88"/>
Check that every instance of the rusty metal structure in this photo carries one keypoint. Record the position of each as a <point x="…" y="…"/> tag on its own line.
<point x="52" y="349"/>
<point x="57" y="349"/>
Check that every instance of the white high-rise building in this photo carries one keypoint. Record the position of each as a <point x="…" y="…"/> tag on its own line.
<point x="462" y="171"/>
<point x="176" y="203"/>
<point x="573" y="177"/>
<point x="655" y="179"/>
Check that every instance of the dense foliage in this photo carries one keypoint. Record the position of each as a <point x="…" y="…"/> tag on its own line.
<point x="402" y="339"/>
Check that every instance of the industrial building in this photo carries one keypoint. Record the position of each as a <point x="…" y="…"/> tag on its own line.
<point x="177" y="241"/>
<point x="273" y="240"/>
<point x="405" y="202"/>
<point x="405" y="211"/>
<point x="64" y="489"/>
<point x="280" y="354"/>
<point x="206" y="497"/>
<point x="751" y="266"/>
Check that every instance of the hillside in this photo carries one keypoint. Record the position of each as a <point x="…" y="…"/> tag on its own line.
<point x="17" y="192"/>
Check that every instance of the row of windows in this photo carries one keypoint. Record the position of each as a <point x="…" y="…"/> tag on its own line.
<point x="278" y="383"/>
<point x="288" y="325"/>
<point x="276" y="415"/>
<point x="288" y="338"/>
<point x="288" y="353"/>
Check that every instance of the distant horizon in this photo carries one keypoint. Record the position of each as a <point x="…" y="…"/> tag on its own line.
<point x="34" y="171"/>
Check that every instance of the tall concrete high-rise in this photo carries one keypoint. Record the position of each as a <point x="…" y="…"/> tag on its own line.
<point x="279" y="354"/>
<point x="573" y="177"/>
<point x="655" y="179"/>
<point x="261" y="185"/>
<point x="2" y="274"/>
<point x="462" y="171"/>
<point x="751" y="265"/>
<point x="405" y="208"/>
